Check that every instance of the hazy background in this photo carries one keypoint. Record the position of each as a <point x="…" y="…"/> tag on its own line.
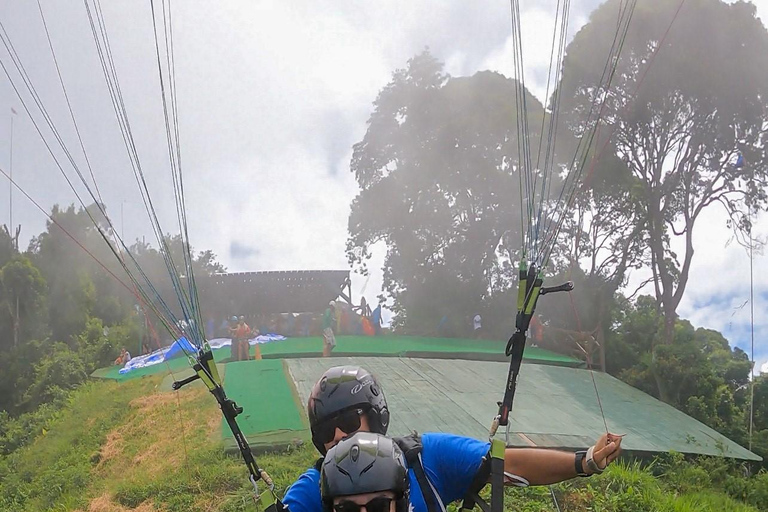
<point x="271" y="98"/>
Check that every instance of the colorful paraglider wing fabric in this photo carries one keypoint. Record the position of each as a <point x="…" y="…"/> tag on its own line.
<point x="262" y="338"/>
<point x="368" y="327"/>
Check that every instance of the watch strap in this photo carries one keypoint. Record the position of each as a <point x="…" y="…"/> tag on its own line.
<point x="579" y="463"/>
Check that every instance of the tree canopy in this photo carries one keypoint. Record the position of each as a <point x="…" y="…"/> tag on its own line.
<point x="701" y="107"/>
<point x="438" y="172"/>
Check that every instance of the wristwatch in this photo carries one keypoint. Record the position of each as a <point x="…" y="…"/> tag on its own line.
<point x="579" y="463"/>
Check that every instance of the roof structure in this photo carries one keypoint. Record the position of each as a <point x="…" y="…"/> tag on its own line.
<point x="273" y="291"/>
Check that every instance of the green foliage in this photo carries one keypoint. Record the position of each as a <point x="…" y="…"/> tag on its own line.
<point x="55" y="469"/>
<point x="7" y="249"/>
<point x="63" y="301"/>
<point x="698" y="373"/>
<point x="98" y="350"/>
<point x="18" y="370"/>
<point x="17" y="432"/>
<point x="75" y="470"/>
<point x="679" y="134"/>
<point x="22" y="298"/>
<point x="437" y="170"/>
<point x="57" y="372"/>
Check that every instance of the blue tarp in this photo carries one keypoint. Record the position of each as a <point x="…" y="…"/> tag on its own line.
<point x="159" y="356"/>
<point x="182" y="347"/>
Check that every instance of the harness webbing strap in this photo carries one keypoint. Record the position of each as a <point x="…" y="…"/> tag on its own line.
<point x="497" y="475"/>
<point x="411" y="447"/>
<point x="268" y="502"/>
<point x="481" y="479"/>
<point x="426" y="489"/>
<point x="206" y="359"/>
<point x="528" y="294"/>
<point x="491" y="469"/>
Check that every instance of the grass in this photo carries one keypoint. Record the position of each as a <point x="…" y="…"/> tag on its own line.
<point x="130" y="447"/>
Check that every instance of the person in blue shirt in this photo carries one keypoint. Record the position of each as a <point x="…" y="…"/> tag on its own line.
<point x="348" y="399"/>
<point x="365" y="470"/>
<point x="376" y="320"/>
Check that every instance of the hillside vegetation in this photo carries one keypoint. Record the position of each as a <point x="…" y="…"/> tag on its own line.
<point x="111" y="447"/>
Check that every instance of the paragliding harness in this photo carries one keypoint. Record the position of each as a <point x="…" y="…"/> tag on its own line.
<point x="205" y="370"/>
<point x="411" y="447"/>
<point x="492" y="466"/>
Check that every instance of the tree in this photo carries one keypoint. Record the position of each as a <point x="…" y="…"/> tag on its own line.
<point x="701" y="106"/>
<point x="71" y="274"/>
<point x="7" y="246"/>
<point x="707" y="377"/>
<point x="22" y="296"/>
<point x="58" y="371"/>
<point x="439" y="185"/>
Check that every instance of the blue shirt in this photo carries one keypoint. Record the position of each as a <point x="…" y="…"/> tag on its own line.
<point x="449" y="461"/>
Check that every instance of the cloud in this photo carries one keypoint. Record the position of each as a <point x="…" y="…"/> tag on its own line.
<point x="718" y="289"/>
<point x="238" y="250"/>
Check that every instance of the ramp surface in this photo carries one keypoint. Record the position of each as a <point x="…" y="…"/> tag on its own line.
<point x="272" y="414"/>
<point x="555" y="407"/>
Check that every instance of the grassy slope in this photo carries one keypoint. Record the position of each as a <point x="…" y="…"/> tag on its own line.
<point x="120" y="447"/>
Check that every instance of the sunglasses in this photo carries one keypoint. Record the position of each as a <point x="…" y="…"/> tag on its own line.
<point x="347" y="421"/>
<point x="378" y="504"/>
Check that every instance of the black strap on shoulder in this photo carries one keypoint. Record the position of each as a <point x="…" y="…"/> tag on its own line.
<point x="491" y="470"/>
<point x="482" y="476"/>
<point x="410" y="444"/>
<point x="319" y="463"/>
<point x="411" y="447"/>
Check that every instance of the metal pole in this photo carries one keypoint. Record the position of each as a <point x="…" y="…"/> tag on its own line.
<point x="752" y="328"/>
<point x="16" y="323"/>
<point x="10" y="183"/>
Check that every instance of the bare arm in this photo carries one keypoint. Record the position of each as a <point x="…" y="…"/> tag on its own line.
<point x="540" y="466"/>
<point x="543" y="467"/>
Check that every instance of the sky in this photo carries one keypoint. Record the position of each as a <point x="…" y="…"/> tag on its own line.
<point x="272" y="95"/>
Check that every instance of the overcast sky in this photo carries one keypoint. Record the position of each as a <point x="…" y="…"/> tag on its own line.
<point x="272" y="96"/>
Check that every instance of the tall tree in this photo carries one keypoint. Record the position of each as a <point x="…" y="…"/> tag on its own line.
<point x="600" y="245"/>
<point x="439" y="185"/>
<point x="22" y="297"/>
<point x="70" y="272"/>
<point x="7" y="246"/>
<point x="702" y="108"/>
